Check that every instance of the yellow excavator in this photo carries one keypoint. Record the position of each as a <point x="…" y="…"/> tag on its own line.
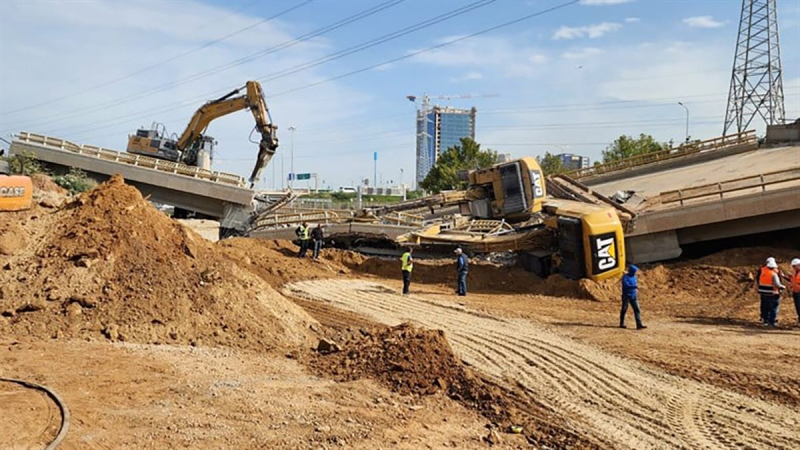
<point x="194" y="148"/>
<point x="506" y="207"/>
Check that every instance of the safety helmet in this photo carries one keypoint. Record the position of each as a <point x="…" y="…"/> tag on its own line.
<point x="796" y="262"/>
<point x="771" y="263"/>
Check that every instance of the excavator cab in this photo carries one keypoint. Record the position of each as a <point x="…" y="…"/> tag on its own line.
<point x="153" y="142"/>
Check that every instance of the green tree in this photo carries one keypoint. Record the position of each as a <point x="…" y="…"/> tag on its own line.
<point x="628" y="146"/>
<point x="550" y="164"/>
<point x="458" y="158"/>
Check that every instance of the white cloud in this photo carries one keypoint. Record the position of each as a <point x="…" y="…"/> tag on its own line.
<point x="69" y="47"/>
<point x="605" y="2"/>
<point x="632" y="20"/>
<point x="501" y="54"/>
<point x="469" y="76"/>
<point x="583" y="53"/>
<point x="703" y="22"/>
<point x="591" y="31"/>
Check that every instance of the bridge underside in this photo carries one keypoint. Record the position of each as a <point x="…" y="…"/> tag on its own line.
<point x="203" y="196"/>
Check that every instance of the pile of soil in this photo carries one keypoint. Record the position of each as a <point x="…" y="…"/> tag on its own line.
<point x="416" y="361"/>
<point x="43" y="183"/>
<point x="276" y="261"/>
<point x="408" y="359"/>
<point x="112" y="265"/>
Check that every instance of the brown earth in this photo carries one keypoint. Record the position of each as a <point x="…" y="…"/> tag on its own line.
<point x="416" y="361"/>
<point x="43" y="184"/>
<point x="110" y="266"/>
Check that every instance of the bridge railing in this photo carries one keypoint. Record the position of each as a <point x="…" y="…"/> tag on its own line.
<point x="743" y="138"/>
<point x="718" y="191"/>
<point x="132" y="159"/>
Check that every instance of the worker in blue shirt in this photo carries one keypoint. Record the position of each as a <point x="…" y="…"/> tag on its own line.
<point x="462" y="268"/>
<point x="630" y="295"/>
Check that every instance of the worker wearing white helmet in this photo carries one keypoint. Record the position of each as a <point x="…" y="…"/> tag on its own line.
<point x="769" y="288"/>
<point x="794" y="280"/>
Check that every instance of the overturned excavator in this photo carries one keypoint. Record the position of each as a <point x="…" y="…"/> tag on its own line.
<point x="195" y="148"/>
<point x="555" y="224"/>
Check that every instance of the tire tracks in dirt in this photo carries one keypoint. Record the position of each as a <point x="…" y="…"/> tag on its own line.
<point x="619" y="402"/>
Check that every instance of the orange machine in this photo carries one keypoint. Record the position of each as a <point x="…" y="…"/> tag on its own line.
<point x="16" y="191"/>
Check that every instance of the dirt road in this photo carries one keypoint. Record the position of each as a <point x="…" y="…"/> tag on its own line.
<point x="619" y="402"/>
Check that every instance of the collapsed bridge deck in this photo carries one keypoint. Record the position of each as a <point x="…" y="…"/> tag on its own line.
<point x="166" y="182"/>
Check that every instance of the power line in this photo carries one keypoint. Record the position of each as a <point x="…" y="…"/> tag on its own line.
<point x="428" y="49"/>
<point x="270" y="50"/>
<point x="163" y="62"/>
<point x="325" y="59"/>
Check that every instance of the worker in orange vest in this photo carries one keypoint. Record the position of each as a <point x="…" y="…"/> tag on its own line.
<point x="769" y="288"/>
<point x="794" y="280"/>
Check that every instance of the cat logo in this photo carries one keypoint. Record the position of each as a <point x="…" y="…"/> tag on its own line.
<point x="536" y="183"/>
<point x="604" y="252"/>
<point x="12" y="191"/>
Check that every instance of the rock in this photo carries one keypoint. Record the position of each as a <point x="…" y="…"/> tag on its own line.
<point x="74" y="310"/>
<point x="83" y="300"/>
<point x="326" y="347"/>
<point x="322" y="429"/>
<point x="493" y="438"/>
<point x="50" y="201"/>
<point x="111" y="331"/>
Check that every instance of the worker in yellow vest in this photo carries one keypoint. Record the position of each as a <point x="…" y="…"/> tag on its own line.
<point x="407" y="266"/>
<point x="302" y="233"/>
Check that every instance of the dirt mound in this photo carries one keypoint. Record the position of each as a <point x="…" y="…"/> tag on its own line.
<point x="746" y="257"/>
<point x="416" y="361"/>
<point x="276" y="261"/>
<point x="408" y="359"/>
<point x="114" y="265"/>
<point x="43" y="183"/>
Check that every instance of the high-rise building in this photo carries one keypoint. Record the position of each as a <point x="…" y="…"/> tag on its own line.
<point x="438" y="129"/>
<point x="573" y="162"/>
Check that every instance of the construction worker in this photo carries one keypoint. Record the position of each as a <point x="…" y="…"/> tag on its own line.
<point x="407" y="266"/>
<point x="630" y="295"/>
<point x="317" y="237"/>
<point x="462" y="268"/>
<point x="302" y="233"/>
<point x="795" y="285"/>
<point x="769" y="288"/>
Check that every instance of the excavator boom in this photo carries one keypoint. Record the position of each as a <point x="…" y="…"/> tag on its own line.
<point x="186" y="147"/>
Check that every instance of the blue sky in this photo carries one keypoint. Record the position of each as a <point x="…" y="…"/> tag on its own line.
<point x="568" y="80"/>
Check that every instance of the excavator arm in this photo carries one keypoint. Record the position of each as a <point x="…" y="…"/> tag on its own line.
<point x="252" y="99"/>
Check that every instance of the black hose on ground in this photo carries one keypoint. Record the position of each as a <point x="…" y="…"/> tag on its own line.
<point x="62" y="431"/>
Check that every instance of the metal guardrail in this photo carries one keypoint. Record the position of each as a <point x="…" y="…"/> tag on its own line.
<point x="718" y="190"/>
<point x="289" y="219"/>
<point x="132" y="159"/>
<point x="743" y="138"/>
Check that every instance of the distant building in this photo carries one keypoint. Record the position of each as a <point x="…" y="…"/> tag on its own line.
<point x="573" y="162"/>
<point x="438" y="129"/>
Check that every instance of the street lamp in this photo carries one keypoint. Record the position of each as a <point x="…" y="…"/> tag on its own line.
<point x="687" y="121"/>
<point x="292" y="175"/>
